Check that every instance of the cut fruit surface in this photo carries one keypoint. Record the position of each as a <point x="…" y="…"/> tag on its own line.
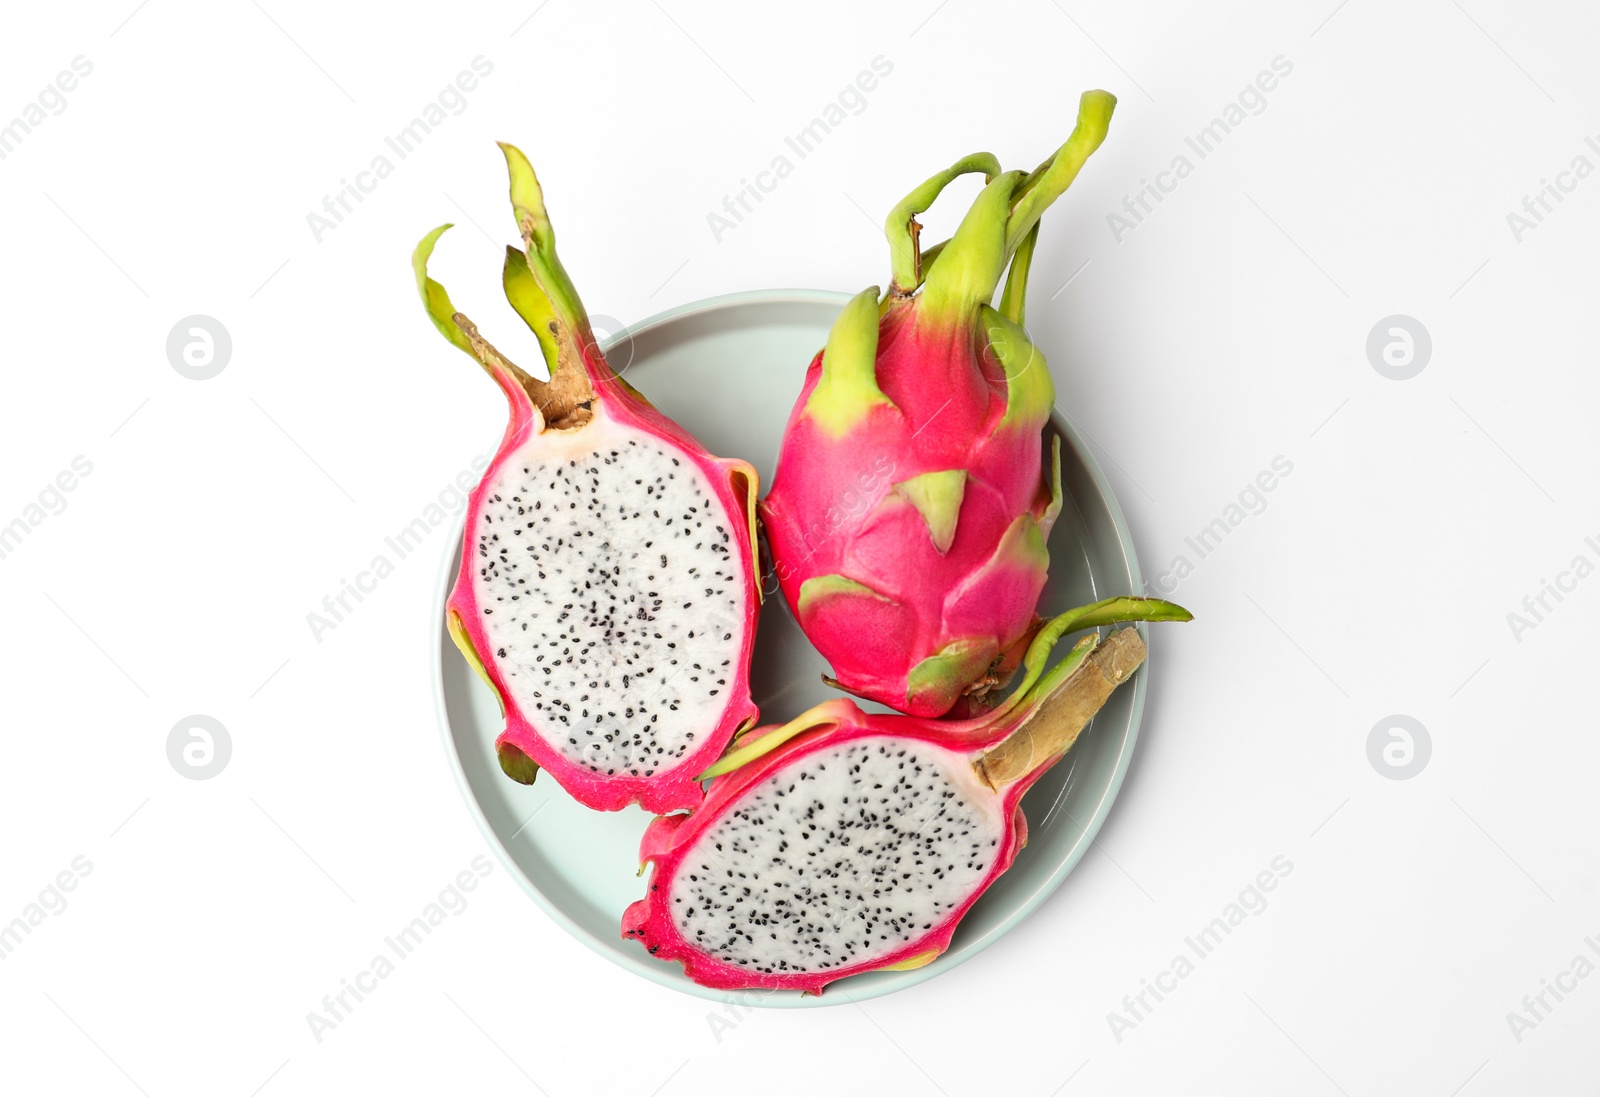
<point x="607" y="590"/>
<point x="846" y="841"/>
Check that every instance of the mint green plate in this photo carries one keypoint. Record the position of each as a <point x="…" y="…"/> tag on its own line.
<point x="729" y="369"/>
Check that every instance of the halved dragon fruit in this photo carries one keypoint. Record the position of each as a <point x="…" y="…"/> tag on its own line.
<point x="608" y="589"/>
<point x="927" y="592"/>
<point x="844" y="842"/>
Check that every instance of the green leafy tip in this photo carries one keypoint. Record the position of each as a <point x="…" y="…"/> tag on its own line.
<point x="1107" y="611"/>
<point x="1001" y="222"/>
<point x="434" y="296"/>
<point x="530" y="303"/>
<point x="1050" y="179"/>
<point x="533" y="221"/>
<point x="818" y="716"/>
<point x="905" y="257"/>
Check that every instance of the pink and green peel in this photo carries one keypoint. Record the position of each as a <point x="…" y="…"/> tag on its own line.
<point x="989" y="762"/>
<point x="584" y="405"/>
<point x="918" y="598"/>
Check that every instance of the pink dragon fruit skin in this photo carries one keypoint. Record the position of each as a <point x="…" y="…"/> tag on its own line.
<point x="845" y="842"/>
<point x="655" y="692"/>
<point x="910" y="507"/>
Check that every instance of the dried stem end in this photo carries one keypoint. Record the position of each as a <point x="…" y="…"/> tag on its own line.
<point x="565" y="402"/>
<point x="1055" y="723"/>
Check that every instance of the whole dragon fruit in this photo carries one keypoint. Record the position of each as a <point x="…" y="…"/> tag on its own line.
<point x="843" y="842"/>
<point x="607" y="591"/>
<point x="925" y="592"/>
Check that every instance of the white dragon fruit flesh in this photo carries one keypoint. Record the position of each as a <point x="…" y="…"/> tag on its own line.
<point x="607" y="591"/>
<point x="845" y="842"/>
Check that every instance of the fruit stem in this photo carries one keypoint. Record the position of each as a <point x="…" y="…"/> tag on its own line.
<point x="1054" y="722"/>
<point x="1107" y="611"/>
<point x="902" y="229"/>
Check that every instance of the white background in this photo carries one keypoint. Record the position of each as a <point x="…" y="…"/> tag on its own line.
<point x="1228" y="328"/>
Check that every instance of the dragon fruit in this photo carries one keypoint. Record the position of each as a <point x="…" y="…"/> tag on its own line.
<point x="924" y="592"/>
<point x="607" y="591"/>
<point x="843" y="842"/>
